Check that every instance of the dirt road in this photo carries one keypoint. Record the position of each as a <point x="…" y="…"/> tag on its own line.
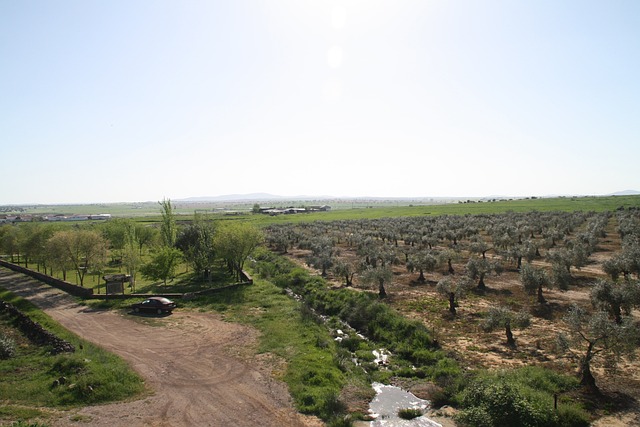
<point x="199" y="368"/>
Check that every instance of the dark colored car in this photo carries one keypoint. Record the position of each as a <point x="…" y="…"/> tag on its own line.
<point x="154" y="305"/>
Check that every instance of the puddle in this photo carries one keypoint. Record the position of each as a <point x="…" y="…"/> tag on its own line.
<point x="389" y="399"/>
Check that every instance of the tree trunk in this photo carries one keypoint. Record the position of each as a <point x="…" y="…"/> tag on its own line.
<point x="519" y="266"/>
<point x="510" y="340"/>
<point x="421" y="279"/>
<point x="541" y="299"/>
<point x="587" y="379"/>
<point x="481" y="284"/>
<point x="452" y="303"/>
<point x="451" y="271"/>
<point x="617" y="314"/>
<point x="382" y="293"/>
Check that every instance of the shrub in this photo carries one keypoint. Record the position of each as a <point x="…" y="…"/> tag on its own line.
<point x="7" y="347"/>
<point x="519" y="398"/>
<point x="409" y="413"/>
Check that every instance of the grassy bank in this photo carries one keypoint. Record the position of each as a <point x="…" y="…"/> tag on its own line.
<point x="33" y="379"/>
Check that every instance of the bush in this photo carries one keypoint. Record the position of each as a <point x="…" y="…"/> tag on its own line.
<point x="7" y="347"/>
<point x="409" y="413"/>
<point x="519" y="398"/>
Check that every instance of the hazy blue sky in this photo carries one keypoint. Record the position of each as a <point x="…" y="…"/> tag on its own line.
<point x="105" y="101"/>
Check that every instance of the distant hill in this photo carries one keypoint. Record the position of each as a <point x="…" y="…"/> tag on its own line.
<point x="625" y="193"/>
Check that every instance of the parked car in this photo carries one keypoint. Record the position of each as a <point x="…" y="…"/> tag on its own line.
<point x="154" y="305"/>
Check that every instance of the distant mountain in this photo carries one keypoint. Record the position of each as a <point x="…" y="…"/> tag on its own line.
<point x="626" y="193"/>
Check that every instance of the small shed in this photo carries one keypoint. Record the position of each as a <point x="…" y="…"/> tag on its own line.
<point x="115" y="283"/>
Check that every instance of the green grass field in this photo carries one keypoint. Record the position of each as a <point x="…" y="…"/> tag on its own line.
<point x="340" y="209"/>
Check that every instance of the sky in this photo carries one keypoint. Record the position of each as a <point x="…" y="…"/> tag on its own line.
<point x="138" y="100"/>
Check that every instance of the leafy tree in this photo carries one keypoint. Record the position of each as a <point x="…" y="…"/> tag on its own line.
<point x="421" y="261"/>
<point x="84" y="250"/>
<point x="115" y="231"/>
<point x="502" y="317"/>
<point x="146" y="236"/>
<point x="33" y="240"/>
<point x="11" y="242"/>
<point x="533" y="279"/>
<point x="321" y="254"/>
<point x="344" y="269"/>
<point x="163" y="264"/>
<point x="615" y="298"/>
<point x="478" y="268"/>
<point x="56" y="248"/>
<point x="256" y="208"/>
<point x="235" y="242"/>
<point x="378" y="275"/>
<point x="454" y="290"/>
<point x="447" y="257"/>
<point x="131" y="257"/>
<point x="596" y="335"/>
<point x="168" y="226"/>
<point x="196" y="242"/>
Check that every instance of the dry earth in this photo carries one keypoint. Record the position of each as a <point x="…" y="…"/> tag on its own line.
<point x="476" y="349"/>
<point x="201" y="371"/>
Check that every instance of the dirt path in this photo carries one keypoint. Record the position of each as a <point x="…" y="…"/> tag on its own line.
<point x="197" y="366"/>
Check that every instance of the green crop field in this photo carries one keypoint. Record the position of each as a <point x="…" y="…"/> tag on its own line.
<point x="340" y="209"/>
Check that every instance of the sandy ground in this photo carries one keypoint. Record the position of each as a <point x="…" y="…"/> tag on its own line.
<point x="200" y="370"/>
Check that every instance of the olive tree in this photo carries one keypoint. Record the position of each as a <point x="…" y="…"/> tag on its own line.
<point x="454" y="290"/>
<point x="596" y="335"/>
<point x="421" y="261"/>
<point x="533" y="279"/>
<point x="345" y="269"/>
<point x="478" y="268"/>
<point x="615" y="297"/>
<point x="502" y="317"/>
<point x="378" y="275"/>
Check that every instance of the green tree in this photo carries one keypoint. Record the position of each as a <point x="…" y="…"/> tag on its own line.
<point x="345" y="269"/>
<point x="478" y="268"/>
<point x="421" y="261"/>
<point x="131" y="257"/>
<point x="593" y="335"/>
<point x="115" y="231"/>
<point x="196" y="241"/>
<point x="615" y="297"/>
<point x="84" y="250"/>
<point x="378" y="275"/>
<point x="235" y="242"/>
<point x="146" y="236"/>
<point x="502" y="317"/>
<point x="454" y="290"/>
<point x="11" y="244"/>
<point x="533" y="279"/>
<point x="163" y="264"/>
<point x="168" y="225"/>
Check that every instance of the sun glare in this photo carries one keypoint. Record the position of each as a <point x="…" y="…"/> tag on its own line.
<point x="334" y="56"/>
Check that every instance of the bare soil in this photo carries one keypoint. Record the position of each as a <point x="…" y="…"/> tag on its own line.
<point x="200" y="370"/>
<point x="536" y="345"/>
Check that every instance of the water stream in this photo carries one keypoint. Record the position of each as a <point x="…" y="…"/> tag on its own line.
<point x="389" y="399"/>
